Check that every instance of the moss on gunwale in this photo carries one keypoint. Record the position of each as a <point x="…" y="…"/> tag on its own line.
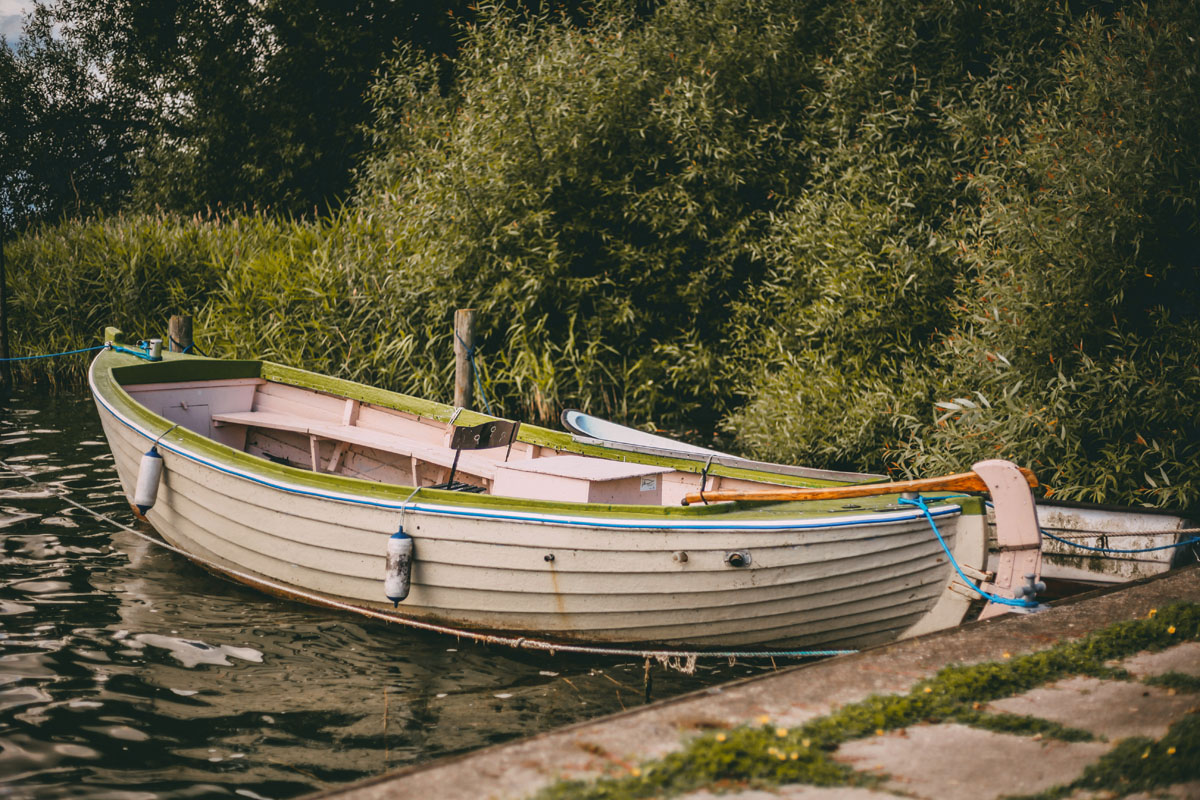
<point x="764" y="756"/>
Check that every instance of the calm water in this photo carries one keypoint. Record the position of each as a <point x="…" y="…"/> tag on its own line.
<point x="127" y="672"/>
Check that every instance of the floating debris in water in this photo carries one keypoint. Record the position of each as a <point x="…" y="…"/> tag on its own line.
<point x="192" y="653"/>
<point x="250" y="794"/>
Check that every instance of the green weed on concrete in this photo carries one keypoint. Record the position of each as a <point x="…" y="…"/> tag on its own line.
<point x="1179" y="681"/>
<point x="1138" y="764"/>
<point x="765" y="756"/>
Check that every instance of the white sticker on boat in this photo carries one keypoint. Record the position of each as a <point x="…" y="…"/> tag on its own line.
<point x="650" y="483"/>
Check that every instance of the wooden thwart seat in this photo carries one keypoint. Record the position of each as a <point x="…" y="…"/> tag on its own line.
<point x="469" y="463"/>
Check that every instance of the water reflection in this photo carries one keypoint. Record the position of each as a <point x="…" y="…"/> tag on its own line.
<point x="127" y="672"/>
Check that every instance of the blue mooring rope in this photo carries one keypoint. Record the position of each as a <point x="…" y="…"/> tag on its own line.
<point x="475" y="369"/>
<point x="143" y="353"/>
<point x="187" y="350"/>
<point x="1004" y="601"/>
<point x="55" y="355"/>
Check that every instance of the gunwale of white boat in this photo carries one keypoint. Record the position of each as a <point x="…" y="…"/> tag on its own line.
<point x="614" y="572"/>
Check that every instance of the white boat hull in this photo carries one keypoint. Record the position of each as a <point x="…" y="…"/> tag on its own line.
<point x="1108" y="529"/>
<point x="617" y="579"/>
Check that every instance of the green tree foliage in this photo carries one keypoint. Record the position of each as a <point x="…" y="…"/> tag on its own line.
<point x="859" y="284"/>
<point x="1081" y="287"/>
<point x="64" y="139"/>
<point x="1067" y="228"/>
<point x="595" y="190"/>
<point x="248" y="103"/>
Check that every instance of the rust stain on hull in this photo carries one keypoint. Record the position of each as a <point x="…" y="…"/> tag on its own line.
<point x="558" y="598"/>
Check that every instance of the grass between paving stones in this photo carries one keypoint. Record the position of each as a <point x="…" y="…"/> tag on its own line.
<point x="1179" y="681"/>
<point x="1139" y="764"/>
<point x="763" y="756"/>
<point x="1020" y="724"/>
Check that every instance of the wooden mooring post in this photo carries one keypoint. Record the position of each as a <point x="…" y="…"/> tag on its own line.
<point x="179" y="334"/>
<point x="464" y="346"/>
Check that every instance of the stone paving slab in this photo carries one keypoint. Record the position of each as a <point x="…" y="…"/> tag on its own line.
<point x="1111" y="709"/>
<point x="591" y="749"/>
<point x="954" y="761"/>
<point x="1184" y="658"/>
<point x="1181" y="791"/>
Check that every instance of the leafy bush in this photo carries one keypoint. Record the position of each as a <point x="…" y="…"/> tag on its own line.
<point x="883" y="236"/>
<point x="1027" y="290"/>
<point x="859" y="286"/>
<point x="1080" y="296"/>
<point x="595" y="191"/>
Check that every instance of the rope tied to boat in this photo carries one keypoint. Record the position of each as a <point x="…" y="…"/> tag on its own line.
<point x="920" y="503"/>
<point x="143" y="352"/>
<point x="185" y="350"/>
<point x="55" y="355"/>
<point x="681" y="660"/>
<point x="404" y="505"/>
<point x="1122" y="551"/>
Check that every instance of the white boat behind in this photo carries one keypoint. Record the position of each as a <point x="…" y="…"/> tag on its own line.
<point x="1094" y="534"/>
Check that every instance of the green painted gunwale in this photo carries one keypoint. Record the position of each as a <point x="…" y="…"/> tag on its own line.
<point x="112" y="369"/>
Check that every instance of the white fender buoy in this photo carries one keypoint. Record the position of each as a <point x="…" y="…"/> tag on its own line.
<point x="399" y="566"/>
<point x="149" y="474"/>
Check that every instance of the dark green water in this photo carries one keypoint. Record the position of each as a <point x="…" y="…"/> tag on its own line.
<point x="127" y="672"/>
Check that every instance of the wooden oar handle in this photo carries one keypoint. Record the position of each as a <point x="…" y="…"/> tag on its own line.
<point x="962" y="482"/>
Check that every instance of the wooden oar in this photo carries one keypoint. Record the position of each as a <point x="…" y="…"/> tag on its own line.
<point x="962" y="482"/>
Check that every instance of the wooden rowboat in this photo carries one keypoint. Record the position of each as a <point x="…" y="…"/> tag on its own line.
<point x="296" y="483"/>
